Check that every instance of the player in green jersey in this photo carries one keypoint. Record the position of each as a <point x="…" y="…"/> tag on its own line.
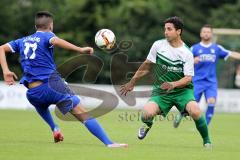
<point x="172" y="63"/>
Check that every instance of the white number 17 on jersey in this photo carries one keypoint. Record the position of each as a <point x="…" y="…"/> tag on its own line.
<point x="29" y="50"/>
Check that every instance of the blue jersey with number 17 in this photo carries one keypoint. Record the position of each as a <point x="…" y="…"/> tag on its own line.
<point x="36" y="54"/>
<point x="205" y="70"/>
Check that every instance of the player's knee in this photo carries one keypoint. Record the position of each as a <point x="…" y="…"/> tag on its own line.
<point x="196" y="114"/>
<point x="65" y="106"/>
<point x="193" y="110"/>
<point x="211" y="100"/>
<point x="146" y="114"/>
<point x="150" y="110"/>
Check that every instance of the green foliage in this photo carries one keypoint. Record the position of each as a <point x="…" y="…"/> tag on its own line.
<point x="139" y="21"/>
<point x="226" y="16"/>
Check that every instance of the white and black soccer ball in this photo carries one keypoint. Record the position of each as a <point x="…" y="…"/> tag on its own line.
<point x="105" y="39"/>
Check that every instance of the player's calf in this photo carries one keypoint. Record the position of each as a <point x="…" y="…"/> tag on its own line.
<point x="209" y="112"/>
<point x="200" y="122"/>
<point x="147" y="119"/>
<point x="150" y="110"/>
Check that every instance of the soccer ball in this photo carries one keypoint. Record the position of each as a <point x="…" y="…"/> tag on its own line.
<point x="105" y="39"/>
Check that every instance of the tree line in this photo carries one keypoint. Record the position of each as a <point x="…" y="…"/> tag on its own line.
<point x="136" y="21"/>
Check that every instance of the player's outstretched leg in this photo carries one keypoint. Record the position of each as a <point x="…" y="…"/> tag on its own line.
<point x="94" y="127"/>
<point x="149" y="111"/>
<point x="44" y="112"/>
<point x="200" y="122"/>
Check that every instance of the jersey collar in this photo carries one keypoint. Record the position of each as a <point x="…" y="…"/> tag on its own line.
<point x="205" y="45"/>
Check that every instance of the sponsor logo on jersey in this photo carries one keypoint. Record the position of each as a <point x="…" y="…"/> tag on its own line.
<point x="207" y="57"/>
<point x="172" y="68"/>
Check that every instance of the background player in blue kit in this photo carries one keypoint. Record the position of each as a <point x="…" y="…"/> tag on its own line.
<point x="45" y="86"/>
<point x="206" y="54"/>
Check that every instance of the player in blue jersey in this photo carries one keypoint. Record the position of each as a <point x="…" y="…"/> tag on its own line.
<point x="206" y="55"/>
<point x="45" y="86"/>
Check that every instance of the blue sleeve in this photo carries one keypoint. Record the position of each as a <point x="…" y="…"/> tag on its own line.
<point x="14" y="45"/>
<point x="222" y="52"/>
<point x="49" y="36"/>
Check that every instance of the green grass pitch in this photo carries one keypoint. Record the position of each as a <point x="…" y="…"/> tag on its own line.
<point x="23" y="135"/>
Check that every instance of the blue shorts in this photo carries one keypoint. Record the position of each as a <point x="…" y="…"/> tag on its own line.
<point x="208" y="88"/>
<point x="55" y="91"/>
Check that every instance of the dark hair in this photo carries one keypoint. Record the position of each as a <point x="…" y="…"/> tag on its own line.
<point x="207" y="26"/>
<point x="176" y="21"/>
<point x="43" y="19"/>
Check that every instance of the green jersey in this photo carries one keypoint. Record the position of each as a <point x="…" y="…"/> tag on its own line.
<point x="171" y="64"/>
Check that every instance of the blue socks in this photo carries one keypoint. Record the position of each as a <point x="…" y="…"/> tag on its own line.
<point x="46" y="115"/>
<point x="94" y="127"/>
<point x="209" y="113"/>
<point x="91" y="124"/>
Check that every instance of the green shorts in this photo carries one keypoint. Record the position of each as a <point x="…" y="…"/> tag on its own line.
<point x="179" y="99"/>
